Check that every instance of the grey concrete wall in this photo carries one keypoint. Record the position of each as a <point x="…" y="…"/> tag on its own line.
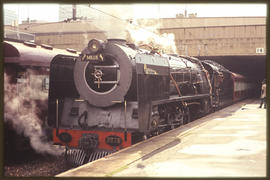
<point x="77" y="41"/>
<point x="220" y="40"/>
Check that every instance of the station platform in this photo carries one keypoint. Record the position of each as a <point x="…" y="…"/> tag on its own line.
<point x="228" y="143"/>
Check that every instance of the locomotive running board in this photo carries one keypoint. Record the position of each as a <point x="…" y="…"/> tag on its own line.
<point x="177" y="98"/>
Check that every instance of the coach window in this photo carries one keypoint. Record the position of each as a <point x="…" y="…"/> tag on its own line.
<point x="21" y="82"/>
<point x="45" y="84"/>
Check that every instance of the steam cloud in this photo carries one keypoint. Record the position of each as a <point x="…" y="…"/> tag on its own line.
<point x="120" y="22"/>
<point x="145" y="34"/>
<point x="21" y="112"/>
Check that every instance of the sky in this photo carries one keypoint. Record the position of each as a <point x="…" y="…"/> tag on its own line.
<point x="49" y="12"/>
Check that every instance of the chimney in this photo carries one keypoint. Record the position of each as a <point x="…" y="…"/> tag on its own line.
<point x="74" y="12"/>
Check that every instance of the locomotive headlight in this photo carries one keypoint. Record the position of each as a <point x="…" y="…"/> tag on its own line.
<point x="94" y="46"/>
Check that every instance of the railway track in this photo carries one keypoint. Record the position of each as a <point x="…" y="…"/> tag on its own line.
<point x="29" y="164"/>
<point x="42" y="165"/>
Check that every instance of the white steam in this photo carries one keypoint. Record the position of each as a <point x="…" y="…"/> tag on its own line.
<point x="120" y="22"/>
<point x="111" y="18"/>
<point x="20" y="110"/>
<point x="145" y="34"/>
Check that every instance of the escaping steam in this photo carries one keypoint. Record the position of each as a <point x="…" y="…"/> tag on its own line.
<point x="119" y="22"/>
<point x="124" y="25"/>
<point x="110" y="18"/>
<point x="22" y="112"/>
<point x="143" y="34"/>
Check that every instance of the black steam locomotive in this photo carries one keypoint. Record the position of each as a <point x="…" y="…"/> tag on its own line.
<point x="115" y="94"/>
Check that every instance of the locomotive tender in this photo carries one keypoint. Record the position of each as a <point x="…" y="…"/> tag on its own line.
<point x="115" y="94"/>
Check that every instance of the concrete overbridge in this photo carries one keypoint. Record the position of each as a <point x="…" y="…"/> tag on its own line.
<point x="238" y="43"/>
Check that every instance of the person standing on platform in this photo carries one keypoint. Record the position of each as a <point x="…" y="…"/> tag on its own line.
<point x="263" y="94"/>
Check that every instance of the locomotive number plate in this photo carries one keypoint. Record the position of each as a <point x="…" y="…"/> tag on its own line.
<point x="90" y="57"/>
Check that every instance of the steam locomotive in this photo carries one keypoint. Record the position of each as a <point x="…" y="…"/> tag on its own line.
<point x="115" y="95"/>
<point x="26" y="85"/>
